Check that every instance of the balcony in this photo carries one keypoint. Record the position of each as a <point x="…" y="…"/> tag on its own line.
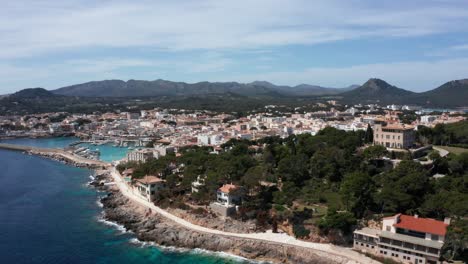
<point x="410" y="243"/>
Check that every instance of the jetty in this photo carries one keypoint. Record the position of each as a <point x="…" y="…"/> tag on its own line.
<point x="58" y="154"/>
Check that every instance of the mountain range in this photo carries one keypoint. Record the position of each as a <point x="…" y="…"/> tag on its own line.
<point x="138" y="88"/>
<point x="223" y="96"/>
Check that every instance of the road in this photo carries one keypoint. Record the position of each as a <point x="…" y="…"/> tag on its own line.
<point x="275" y="238"/>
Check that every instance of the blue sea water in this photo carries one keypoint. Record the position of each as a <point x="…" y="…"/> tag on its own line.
<point x="109" y="153"/>
<point x="48" y="214"/>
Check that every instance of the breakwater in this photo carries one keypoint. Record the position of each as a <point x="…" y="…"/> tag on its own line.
<point x="59" y="155"/>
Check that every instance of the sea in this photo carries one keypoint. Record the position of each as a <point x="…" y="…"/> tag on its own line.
<point x="49" y="214"/>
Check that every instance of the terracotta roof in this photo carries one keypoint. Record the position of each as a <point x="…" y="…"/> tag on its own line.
<point x="398" y="126"/>
<point x="226" y="188"/>
<point x="426" y="225"/>
<point x="149" y="179"/>
<point x="128" y="171"/>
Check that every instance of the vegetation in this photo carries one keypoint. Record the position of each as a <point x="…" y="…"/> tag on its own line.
<point x="289" y="178"/>
<point x="455" y="135"/>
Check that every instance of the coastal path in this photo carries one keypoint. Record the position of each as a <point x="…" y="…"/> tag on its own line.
<point x="276" y="238"/>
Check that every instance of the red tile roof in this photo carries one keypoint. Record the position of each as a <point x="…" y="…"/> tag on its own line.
<point x="227" y="188"/>
<point x="149" y="179"/>
<point x="425" y="225"/>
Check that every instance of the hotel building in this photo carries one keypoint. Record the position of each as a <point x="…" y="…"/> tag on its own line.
<point x="404" y="238"/>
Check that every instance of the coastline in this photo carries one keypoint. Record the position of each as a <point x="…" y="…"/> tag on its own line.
<point x="58" y="155"/>
<point x="154" y="227"/>
<point x="151" y="227"/>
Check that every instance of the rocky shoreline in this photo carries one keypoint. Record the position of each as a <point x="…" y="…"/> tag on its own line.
<point x="60" y="158"/>
<point x="151" y="227"/>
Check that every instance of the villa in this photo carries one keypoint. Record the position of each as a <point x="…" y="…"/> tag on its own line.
<point x="398" y="136"/>
<point x="148" y="186"/>
<point x="404" y="238"/>
<point x="228" y="197"/>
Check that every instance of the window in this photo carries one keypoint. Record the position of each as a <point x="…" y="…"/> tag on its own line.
<point x="435" y="237"/>
<point x="388" y="228"/>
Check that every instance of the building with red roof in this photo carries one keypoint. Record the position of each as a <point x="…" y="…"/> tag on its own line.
<point x="404" y="238"/>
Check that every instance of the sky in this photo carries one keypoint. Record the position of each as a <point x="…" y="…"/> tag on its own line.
<point x="413" y="44"/>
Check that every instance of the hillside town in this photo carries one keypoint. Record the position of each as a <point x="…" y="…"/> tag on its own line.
<point x="204" y="128"/>
<point x="160" y="167"/>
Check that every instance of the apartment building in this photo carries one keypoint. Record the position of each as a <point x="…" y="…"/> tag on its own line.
<point x="140" y="155"/>
<point x="404" y="238"/>
<point x="397" y="136"/>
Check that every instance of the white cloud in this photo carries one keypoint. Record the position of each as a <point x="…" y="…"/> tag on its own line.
<point x="41" y="27"/>
<point x="460" y="47"/>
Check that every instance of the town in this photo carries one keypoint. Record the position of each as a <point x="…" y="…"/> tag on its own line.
<point x="284" y="171"/>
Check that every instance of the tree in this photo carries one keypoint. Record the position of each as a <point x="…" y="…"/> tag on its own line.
<point x="374" y="152"/>
<point x="369" y="135"/>
<point x="357" y="191"/>
<point x="252" y="178"/>
<point x="456" y="241"/>
<point x="334" y="220"/>
<point x="404" y="188"/>
<point x="294" y="169"/>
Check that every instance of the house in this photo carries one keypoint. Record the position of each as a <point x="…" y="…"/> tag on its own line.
<point x="197" y="184"/>
<point x="127" y="175"/>
<point x="148" y="186"/>
<point x="404" y="238"/>
<point x="228" y="197"/>
<point x="161" y="150"/>
<point x="397" y="136"/>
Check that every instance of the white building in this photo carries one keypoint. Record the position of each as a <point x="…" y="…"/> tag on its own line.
<point x="227" y="199"/>
<point x="197" y="184"/>
<point x="140" y="155"/>
<point x="148" y="186"/>
<point x="229" y="195"/>
<point x="428" y="119"/>
<point x="404" y="238"/>
<point x="161" y="150"/>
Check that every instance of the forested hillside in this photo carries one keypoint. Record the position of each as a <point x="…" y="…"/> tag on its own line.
<point x="325" y="181"/>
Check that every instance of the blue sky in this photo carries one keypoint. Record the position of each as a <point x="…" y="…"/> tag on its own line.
<point x="417" y="45"/>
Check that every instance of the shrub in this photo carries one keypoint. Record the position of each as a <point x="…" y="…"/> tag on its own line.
<point x="300" y="231"/>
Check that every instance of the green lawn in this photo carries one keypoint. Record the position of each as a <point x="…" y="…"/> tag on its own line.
<point x="454" y="150"/>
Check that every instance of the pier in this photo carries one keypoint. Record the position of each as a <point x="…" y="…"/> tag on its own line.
<point x="58" y="154"/>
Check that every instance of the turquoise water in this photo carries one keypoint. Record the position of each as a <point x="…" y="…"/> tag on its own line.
<point x="109" y="153"/>
<point x="48" y="214"/>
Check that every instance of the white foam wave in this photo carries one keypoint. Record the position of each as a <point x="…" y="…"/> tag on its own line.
<point x="119" y="227"/>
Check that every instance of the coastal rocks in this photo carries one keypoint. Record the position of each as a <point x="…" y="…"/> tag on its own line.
<point x="61" y="158"/>
<point x="148" y="226"/>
